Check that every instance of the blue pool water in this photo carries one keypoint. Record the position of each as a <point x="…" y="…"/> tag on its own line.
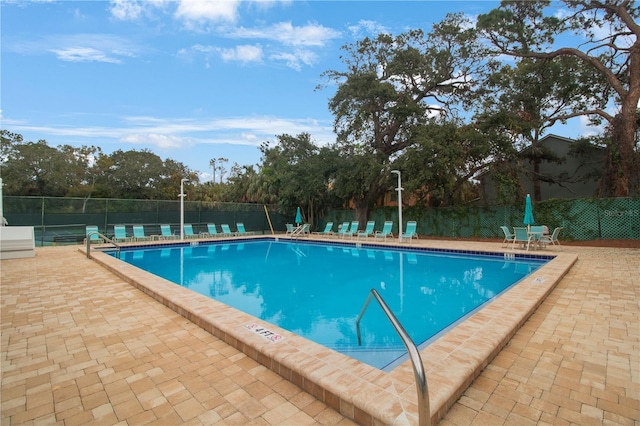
<point x="317" y="290"/>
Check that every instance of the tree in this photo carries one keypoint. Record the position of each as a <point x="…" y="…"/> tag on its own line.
<point x="298" y="172"/>
<point x="525" y="99"/>
<point x="391" y="86"/>
<point x="8" y="141"/>
<point x="172" y="173"/>
<point x="218" y="164"/>
<point x="610" y="68"/>
<point x="32" y="168"/>
<point x="143" y="175"/>
<point x="438" y="169"/>
<point x="81" y="173"/>
<point x="135" y="174"/>
<point x="240" y="183"/>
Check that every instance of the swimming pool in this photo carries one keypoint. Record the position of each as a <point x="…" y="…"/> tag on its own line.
<point x="316" y="290"/>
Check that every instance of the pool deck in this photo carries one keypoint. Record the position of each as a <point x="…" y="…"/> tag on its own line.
<point x="81" y="345"/>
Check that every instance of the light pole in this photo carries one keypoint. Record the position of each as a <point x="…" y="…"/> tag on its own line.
<point x="399" y="189"/>
<point x="1" y="211"/>
<point x="182" y="181"/>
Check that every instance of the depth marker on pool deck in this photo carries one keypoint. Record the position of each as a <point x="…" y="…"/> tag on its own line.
<point x="264" y="332"/>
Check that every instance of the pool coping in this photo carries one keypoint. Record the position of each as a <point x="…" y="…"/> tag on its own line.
<point x="356" y="390"/>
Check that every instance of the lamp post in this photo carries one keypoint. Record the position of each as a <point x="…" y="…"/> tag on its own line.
<point x="399" y="189"/>
<point x="182" y="181"/>
<point x="1" y="211"/>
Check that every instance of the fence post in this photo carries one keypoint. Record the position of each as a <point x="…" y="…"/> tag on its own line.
<point x="106" y="214"/>
<point x="42" y="224"/>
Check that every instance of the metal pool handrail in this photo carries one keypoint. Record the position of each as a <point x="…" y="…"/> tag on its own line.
<point x="101" y="236"/>
<point x="424" y="411"/>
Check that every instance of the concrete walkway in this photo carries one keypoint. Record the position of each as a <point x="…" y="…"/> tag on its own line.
<point x="81" y="346"/>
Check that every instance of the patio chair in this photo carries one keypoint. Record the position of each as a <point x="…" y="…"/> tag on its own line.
<point x="165" y="233"/>
<point x="508" y="236"/>
<point x="536" y="231"/>
<point x="211" y="230"/>
<point x="551" y="239"/>
<point x="241" y="230"/>
<point x="120" y="234"/>
<point x="188" y="231"/>
<point x="306" y="229"/>
<point x="94" y="238"/>
<point x="522" y="237"/>
<point x="410" y="231"/>
<point x="342" y="229"/>
<point x="353" y="229"/>
<point x="289" y="228"/>
<point x="226" y="231"/>
<point x="327" y="229"/>
<point x="386" y="230"/>
<point x="138" y="233"/>
<point x="368" y="230"/>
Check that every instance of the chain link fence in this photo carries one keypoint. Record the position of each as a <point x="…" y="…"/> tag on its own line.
<point x="63" y="220"/>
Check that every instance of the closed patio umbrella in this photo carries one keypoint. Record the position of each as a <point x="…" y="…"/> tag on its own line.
<point x="528" y="212"/>
<point x="298" y="216"/>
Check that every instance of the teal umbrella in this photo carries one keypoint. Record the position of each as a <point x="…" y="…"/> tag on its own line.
<point x="528" y="212"/>
<point x="298" y="216"/>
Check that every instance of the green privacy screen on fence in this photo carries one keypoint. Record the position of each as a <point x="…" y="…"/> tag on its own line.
<point x="581" y="219"/>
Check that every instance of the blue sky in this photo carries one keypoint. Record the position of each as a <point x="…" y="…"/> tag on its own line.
<point x="190" y="80"/>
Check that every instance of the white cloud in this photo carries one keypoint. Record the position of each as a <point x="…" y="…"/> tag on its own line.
<point x="287" y="34"/>
<point x="249" y="137"/>
<point x="189" y="53"/>
<point x="125" y="10"/>
<point x="132" y="10"/>
<point x="296" y="59"/>
<point x="77" y="47"/>
<point x="161" y="141"/>
<point x="367" y="27"/>
<point x="243" y="54"/>
<point x="84" y="54"/>
<point x="195" y="13"/>
<point x="172" y="134"/>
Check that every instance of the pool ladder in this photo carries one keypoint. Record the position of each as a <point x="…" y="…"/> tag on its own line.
<point x="107" y="239"/>
<point x="424" y="411"/>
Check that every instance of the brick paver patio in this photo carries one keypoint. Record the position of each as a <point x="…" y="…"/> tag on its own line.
<point x="81" y="346"/>
<point x="577" y="359"/>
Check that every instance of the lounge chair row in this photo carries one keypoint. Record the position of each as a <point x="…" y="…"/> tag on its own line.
<point x="138" y="233"/>
<point x="347" y="229"/>
<point x="225" y="231"/>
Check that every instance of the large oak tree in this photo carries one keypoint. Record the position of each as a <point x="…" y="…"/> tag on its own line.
<point x="389" y="87"/>
<point x="610" y="67"/>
